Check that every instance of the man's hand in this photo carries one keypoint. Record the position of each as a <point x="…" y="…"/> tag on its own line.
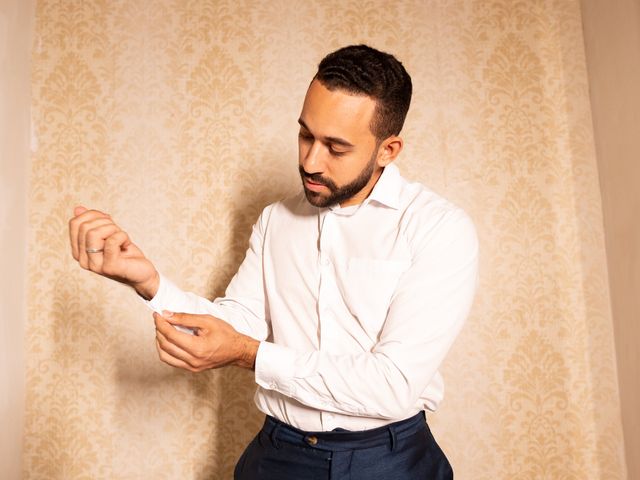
<point x="215" y="344"/>
<point x="99" y="245"/>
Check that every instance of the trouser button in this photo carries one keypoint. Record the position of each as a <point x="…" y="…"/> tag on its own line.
<point x="311" y="439"/>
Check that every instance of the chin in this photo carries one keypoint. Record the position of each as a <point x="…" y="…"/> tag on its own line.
<point x="315" y="199"/>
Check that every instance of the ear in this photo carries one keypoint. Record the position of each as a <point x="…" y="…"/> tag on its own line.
<point x="389" y="149"/>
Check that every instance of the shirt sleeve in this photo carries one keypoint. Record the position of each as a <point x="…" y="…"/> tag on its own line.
<point x="427" y="311"/>
<point x="243" y="305"/>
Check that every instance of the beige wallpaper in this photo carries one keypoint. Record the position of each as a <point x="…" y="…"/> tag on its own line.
<point x="179" y="118"/>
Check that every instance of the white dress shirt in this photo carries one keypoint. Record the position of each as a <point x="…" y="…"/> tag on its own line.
<point x="355" y="307"/>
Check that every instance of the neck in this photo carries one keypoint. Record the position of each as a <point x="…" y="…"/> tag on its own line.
<point x="363" y="194"/>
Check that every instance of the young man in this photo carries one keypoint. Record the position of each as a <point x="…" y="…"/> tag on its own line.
<point x="349" y="297"/>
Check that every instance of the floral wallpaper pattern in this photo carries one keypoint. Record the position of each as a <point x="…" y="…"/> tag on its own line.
<point x="179" y="118"/>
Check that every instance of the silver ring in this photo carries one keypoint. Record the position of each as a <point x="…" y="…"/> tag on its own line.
<point x="94" y="250"/>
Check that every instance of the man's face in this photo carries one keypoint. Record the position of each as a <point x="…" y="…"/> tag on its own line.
<point x="337" y="153"/>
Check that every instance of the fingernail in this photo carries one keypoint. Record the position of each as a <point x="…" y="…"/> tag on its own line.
<point x="167" y="314"/>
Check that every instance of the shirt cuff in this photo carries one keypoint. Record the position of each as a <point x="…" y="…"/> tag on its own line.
<point x="275" y="366"/>
<point x="163" y="296"/>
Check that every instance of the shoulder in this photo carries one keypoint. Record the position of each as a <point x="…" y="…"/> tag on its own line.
<point x="429" y="218"/>
<point x="286" y="209"/>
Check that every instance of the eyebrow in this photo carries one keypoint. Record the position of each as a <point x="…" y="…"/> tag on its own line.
<point x="336" y="140"/>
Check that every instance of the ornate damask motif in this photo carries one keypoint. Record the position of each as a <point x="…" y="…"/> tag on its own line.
<point x="179" y="118"/>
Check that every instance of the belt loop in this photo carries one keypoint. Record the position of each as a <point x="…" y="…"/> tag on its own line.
<point x="274" y="436"/>
<point x="392" y="434"/>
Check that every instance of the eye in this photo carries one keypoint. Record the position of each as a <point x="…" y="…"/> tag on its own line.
<point x="334" y="152"/>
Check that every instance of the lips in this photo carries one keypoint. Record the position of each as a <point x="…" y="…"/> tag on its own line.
<point x="315" y="187"/>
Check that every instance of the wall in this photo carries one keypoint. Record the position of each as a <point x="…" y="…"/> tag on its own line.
<point x="612" y="42"/>
<point x="179" y="118"/>
<point x="16" y="20"/>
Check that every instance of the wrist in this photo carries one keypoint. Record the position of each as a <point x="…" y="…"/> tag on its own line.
<point x="149" y="288"/>
<point x="247" y="352"/>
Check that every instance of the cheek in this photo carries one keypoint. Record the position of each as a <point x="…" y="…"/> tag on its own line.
<point x="346" y="170"/>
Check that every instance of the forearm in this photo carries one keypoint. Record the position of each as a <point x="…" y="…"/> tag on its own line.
<point x="369" y="384"/>
<point x="244" y="320"/>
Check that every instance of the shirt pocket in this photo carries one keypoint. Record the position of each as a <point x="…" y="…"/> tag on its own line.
<point x="369" y="288"/>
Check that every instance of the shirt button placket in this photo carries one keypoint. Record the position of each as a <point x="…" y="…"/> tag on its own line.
<point x="324" y="310"/>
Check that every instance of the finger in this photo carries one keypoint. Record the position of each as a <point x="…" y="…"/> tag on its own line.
<point x="83" y="229"/>
<point x="95" y="240"/>
<point x="74" y="226"/>
<point x="180" y="339"/>
<point x="113" y="247"/>
<point x="114" y="244"/>
<point x="189" y="320"/>
<point x="175" y="351"/>
<point x="79" y="210"/>
<point x="169" y="360"/>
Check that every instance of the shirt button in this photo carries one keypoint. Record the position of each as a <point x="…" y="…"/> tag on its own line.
<point x="325" y="261"/>
<point x="273" y="385"/>
<point x="311" y="440"/>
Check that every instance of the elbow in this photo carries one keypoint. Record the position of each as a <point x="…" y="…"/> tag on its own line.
<point x="400" y="395"/>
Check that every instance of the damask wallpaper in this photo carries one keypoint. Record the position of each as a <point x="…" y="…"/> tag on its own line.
<point x="179" y="118"/>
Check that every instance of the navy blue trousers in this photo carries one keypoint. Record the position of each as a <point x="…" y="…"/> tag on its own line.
<point x="404" y="450"/>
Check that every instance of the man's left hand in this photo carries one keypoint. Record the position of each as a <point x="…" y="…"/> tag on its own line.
<point x="214" y="345"/>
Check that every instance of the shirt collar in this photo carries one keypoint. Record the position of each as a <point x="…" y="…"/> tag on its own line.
<point x="387" y="189"/>
<point x="386" y="192"/>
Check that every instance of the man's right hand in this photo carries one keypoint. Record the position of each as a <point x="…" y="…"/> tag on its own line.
<point x="99" y="245"/>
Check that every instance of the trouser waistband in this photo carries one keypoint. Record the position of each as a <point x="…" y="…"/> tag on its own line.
<point x="341" y="440"/>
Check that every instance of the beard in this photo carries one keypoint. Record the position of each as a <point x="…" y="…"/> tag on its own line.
<point x="336" y="194"/>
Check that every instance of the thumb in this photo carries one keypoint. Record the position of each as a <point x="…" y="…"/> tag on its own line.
<point x="184" y="319"/>
<point x="79" y="210"/>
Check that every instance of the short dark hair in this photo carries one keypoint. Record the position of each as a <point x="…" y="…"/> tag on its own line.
<point x="362" y="70"/>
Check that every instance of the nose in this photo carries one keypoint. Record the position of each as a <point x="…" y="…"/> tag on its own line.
<point x="312" y="159"/>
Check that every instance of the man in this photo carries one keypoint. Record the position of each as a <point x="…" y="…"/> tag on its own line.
<point x="347" y="301"/>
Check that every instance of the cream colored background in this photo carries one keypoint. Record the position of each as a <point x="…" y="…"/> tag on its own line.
<point x="179" y="117"/>
<point x="612" y="42"/>
<point x="16" y="21"/>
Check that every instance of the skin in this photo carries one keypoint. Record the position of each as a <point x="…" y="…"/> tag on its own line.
<point x="336" y="145"/>
<point x="340" y="161"/>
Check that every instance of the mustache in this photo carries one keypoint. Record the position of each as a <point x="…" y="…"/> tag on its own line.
<point x="317" y="178"/>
